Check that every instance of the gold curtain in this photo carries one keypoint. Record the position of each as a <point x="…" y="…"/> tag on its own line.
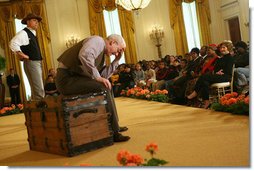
<point x="177" y="23"/>
<point x="204" y="18"/>
<point x="96" y="20"/>
<point x="19" y="9"/>
<point x="97" y="25"/>
<point x="128" y="31"/>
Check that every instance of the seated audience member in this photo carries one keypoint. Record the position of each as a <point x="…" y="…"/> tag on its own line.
<point x="193" y="68"/>
<point x="174" y="72"/>
<point x="208" y="65"/>
<point x="203" y="52"/>
<point x="116" y="84"/>
<point x="114" y="80"/>
<point x="150" y="76"/>
<point x="52" y="72"/>
<point x="50" y="87"/>
<point x="13" y="83"/>
<point x="188" y="57"/>
<point x="139" y="76"/>
<point x="222" y="73"/>
<point x="170" y="60"/>
<point x="126" y="79"/>
<point x="242" y="54"/>
<point x="161" y="76"/>
<point x="242" y="69"/>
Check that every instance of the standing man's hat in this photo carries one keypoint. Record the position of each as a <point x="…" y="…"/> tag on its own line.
<point x="29" y="17"/>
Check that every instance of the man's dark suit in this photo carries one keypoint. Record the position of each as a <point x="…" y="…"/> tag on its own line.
<point x="13" y="82"/>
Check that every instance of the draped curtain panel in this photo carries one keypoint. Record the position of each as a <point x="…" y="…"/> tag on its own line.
<point x="177" y="23"/>
<point x="19" y="9"/>
<point x="204" y="19"/>
<point x="128" y="31"/>
<point x="97" y="25"/>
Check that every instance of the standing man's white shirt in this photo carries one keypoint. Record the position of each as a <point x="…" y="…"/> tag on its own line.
<point x="20" y="39"/>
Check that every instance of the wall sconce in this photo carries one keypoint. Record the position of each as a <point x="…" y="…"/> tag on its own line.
<point x="156" y="35"/>
<point x="246" y="24"/>
<point x="71" y="41"/>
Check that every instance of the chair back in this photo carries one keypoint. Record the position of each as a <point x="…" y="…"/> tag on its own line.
<point x="232" y="79"/>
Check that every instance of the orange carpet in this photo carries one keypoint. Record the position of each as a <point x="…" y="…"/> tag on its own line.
<point x="186" y="136"/>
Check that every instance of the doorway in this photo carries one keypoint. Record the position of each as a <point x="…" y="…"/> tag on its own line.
<point x="234" y="29"/>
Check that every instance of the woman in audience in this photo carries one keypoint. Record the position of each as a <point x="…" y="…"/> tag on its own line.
<point x="222" y="73"/>
<point x="211" y="58"/>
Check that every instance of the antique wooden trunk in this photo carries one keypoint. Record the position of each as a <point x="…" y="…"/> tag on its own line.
<point x="68" y="125"/>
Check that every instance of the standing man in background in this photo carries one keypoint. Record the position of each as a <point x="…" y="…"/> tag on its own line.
<point x="82" y="70"/>
<point x="13" y="83"/>
<point x="26" y="46"/>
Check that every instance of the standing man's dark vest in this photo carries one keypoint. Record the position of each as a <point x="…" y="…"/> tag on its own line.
<point x="32" y="49"/>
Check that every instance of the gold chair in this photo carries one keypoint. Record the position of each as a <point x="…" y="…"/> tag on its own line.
<point x="224" y="87"/>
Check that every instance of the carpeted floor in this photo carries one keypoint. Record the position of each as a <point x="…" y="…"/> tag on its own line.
<point x="186" y="137"/>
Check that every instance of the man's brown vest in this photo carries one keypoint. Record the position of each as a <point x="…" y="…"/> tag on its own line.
<point x="70" y="58"/>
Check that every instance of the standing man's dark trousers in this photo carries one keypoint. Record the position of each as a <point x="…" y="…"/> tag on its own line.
<point x="69" y="83"/>
<point x="15" y="96"/>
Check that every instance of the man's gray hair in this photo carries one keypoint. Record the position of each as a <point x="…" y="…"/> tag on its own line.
<point x="118" y="38"/>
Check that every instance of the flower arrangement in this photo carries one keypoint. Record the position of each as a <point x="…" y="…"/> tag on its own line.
<point x="125" y="158"/>
<point x="11" y="110"/>
<point x="139" y="93"/>
<point x="233" y="103"/>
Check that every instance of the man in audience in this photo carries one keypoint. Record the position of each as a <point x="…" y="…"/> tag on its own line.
<point x="13" y="82"/>
<point x="180" y="84"/>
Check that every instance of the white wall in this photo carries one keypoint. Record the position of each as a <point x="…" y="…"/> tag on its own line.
<point x="222" y="11"/>
<point x="156" y="13"/>
<point x="67" y="17"/>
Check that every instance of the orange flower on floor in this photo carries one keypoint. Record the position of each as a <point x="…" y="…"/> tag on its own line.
<point x="152" y="148"/>
<point x="123" y="157"/>
<point x="135" y="158"/>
